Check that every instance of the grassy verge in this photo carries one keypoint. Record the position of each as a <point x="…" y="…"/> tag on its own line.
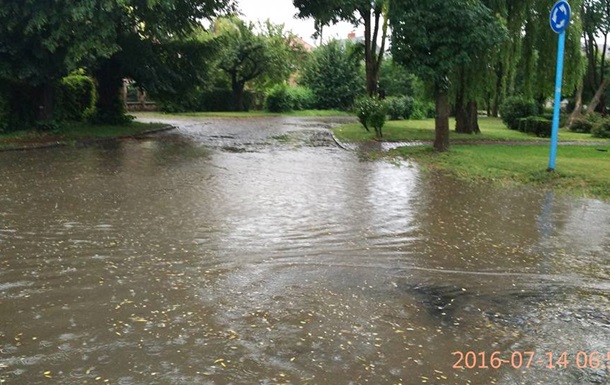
<point x="249" y="114"/>
<point x="580" y="170"/>
<point x="74" y="131"/>
<point x="492" y="129"/>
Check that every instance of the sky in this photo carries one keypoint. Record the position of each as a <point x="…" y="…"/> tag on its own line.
<point x="282" y="12"/>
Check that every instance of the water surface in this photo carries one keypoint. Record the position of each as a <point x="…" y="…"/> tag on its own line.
<point x="258" y="252"/>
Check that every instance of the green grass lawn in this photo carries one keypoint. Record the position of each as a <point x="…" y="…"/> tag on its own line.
<point x="74" y="131"/>
<point x="492" y="129"/>
<point x="580" y="170"/>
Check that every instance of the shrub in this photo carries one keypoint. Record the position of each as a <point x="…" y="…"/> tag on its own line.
<point x="585" y="123"/>
<point x="371" y="112"/>
<point x="423" y="110"/>
<point x="75" y="97"/>
<point x="601" y="129"/>
<point x="333" y="75"/>
<point x="515" y="108"/>
<point x="302" y="98"/>
<point x="581" y="125"/>
<point x="400" y="107"/>
<point x="536" y="125"/>
<point x="279" y="99"/>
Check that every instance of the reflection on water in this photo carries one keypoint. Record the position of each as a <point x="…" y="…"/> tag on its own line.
<point x="165" y="262"/>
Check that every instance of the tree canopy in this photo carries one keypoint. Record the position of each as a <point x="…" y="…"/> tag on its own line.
<point x="370" y="13"/>
<point x="434" y="38"/>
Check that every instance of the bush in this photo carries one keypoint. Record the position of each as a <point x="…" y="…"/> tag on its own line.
<point x="217" y="99"/>
<point x="302" y="98"/>
<point x="75" y="97"/>
<point x="586" y="123"/>
<point x="515" y="108"/>
<point x="279" y="99"/>
<point x="371" y="112"/>
<point x="601" y="129"/>
<point x="400" y="107"/>
<point x="581" y="125"/>
<point x="423" y="110"/>
<point x="333" y="75"/>
<point x="536" y="125"/>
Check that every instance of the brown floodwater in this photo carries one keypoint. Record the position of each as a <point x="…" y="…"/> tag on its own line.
<point x="258" y="252"/>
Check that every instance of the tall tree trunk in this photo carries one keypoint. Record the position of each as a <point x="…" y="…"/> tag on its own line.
<point x="577" y="113"/>
<point x="441" y="140"/>
<point x="598" y="96"/>
<point x="371" y="81"/>
<point x="467" y="118"/>
<point x="238" y="94"/>
<point x="110" y="107"/>
<point x="473" y="113"/>
<point x="46" y="96"/>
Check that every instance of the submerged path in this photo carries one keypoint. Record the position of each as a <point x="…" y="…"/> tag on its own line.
<point x="232" y="251"/>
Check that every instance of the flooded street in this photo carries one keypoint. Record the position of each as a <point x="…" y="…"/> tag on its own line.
<point x="259" y="252"/>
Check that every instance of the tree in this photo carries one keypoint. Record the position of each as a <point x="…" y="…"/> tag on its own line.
<point x="371" y="14"/>
<point x="284" y="54"/>
<point x="436" y="37"/>
<point x="333" y="75"/>
<point x="144" y="30"/>
<point x="41" y="42"/>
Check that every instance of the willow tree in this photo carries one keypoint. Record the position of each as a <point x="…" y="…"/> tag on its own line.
<point x="370" y="13"/>
<point x="539" y="57"/>
<point x="435" y="38"/>
<point x="595" y="15"/>
<point x="525" y="63"/>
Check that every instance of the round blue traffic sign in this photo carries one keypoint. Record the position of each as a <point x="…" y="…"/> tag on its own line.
<point x="560" y="16"/>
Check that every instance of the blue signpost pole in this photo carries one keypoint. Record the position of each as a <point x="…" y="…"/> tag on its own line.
<point x="556" y="108"/>
<point x="560" y="20"/>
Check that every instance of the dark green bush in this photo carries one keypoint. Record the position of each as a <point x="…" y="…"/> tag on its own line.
<point x="371" y="112"/>
<point x="75" y="97"/>
<point x="586" y="123"/>
<point x="601" y="129"/>
<point x="515" y="108"/>
<point x="333" y="75"/>
<point x="581" y="125"/>
<point x="302" y="98"/>
<point x="400" y="107"/>
<point x="536" y="125"/>
<point x="279" y="99"/>
<point x="217" y="99"/>
<point x="423" y="110"/>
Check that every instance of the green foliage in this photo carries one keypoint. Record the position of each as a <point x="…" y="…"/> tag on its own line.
<point x="302" y="98"/>
<point x="263" y="58"/>
<point x="75" y="97"/>
<point x="433" y="38"/>
<point x="423" y="110"/>
<point x="585" y="123"/>
<point x="279" y="99"/>
<point x="371" y="112"/>
<point x="400" y="108"/>
<point x="215" y="99"/>
<point x="396" y="80"/>
<point x="333" y="75"/>
<point x="515" y="108"/>
<point x="536" y="125"/>
<point x="601" y="129"/>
